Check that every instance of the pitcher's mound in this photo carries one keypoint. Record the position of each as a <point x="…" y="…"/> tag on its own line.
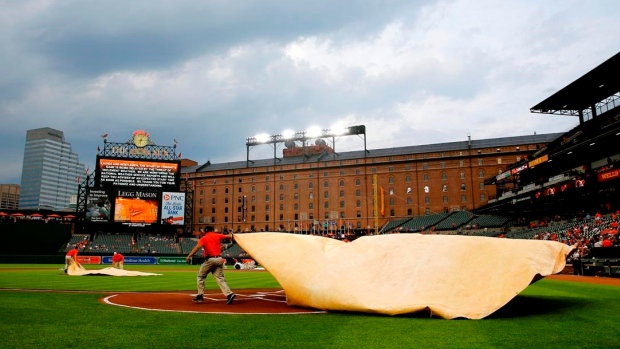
<point x="266" y="301"/>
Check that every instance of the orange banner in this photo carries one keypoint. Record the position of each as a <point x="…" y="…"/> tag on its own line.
<point x="539" y="160"/>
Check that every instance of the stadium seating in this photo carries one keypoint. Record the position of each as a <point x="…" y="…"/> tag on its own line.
<point x="490" y="221"/>
<point x="109" y="243"/>
<point x="232" y="250"/>
<point x="454" y="220"/>
<point x="187" y="244"/>
<point x="392" y="225"/>
<point x="157" y="244"/>
<point x="423" y="223"/>
<point x="448" y="223"/>
<point x="83" y="240"/>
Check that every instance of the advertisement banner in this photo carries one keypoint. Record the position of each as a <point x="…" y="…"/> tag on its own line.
<point x="503" y="175"/>
<point x="171" y="260"/>
<point x="514" y="171"/>
<point x="89" y="259"/>
<point x="173" y="208"/>
<point x="98" y="206"/>
<point x="608" y="175"/>
<point x="140" y="260"/>
<point x="539" y="160"/>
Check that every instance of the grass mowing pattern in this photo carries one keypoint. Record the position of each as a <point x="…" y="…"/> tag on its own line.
<point x="548" y="314"/>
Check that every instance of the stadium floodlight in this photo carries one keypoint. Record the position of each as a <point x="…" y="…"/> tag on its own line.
<point x="262" y="138"/>
<point x="339" y="130"/>
<point x="313" y="132"/>
<point x="288" y="134"/>
<point x="303" y="136"/>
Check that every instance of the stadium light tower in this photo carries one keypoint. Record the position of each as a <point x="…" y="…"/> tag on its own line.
<point x="288" y="134"/>
<point x="303" y="137"/>
<point x="314" y="132"/>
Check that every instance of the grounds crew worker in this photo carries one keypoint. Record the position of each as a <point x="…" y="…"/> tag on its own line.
<point x="211" y="242"/>
<point x="118" y="260"/>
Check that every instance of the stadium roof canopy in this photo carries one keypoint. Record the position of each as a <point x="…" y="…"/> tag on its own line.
<point x="602" y="82"/>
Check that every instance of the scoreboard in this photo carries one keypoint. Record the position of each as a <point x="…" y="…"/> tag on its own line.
<point x="145" y="174"/>
<point x="136" y="191"/>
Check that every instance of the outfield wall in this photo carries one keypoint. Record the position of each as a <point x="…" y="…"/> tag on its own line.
<point x="95" y="259"/>
<point x="33" y="238"/>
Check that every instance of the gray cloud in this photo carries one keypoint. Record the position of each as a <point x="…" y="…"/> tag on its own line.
<point x="210" y="74"/>
<point x="93" y="37"/>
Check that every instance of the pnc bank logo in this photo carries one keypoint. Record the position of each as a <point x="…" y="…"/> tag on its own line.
<point x="173" y="197"/>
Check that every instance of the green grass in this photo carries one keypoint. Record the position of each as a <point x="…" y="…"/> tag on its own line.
<point x="548" y="314"/>
<point x="175" y="277"/>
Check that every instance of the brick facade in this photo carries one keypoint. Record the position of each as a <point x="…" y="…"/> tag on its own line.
<point x="282" y="197"/>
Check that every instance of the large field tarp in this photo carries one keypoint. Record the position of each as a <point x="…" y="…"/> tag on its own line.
<point x="452" y="276"/>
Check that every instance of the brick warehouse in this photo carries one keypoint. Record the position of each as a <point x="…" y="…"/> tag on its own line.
<point x="318" y="186"/>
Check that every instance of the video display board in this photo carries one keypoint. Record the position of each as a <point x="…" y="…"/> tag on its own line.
<point x="143" y="174"/>
<point x="136" y="206"/>
<point x="173" y="208"/>
<point x="98" y="206"/>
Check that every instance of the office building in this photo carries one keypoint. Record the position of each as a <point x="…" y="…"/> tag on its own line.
<point x="50" y="171"/>
<point x="9" y="196"/>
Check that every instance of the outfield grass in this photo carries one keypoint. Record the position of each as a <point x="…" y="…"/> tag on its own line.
<point x="548" y="314"/>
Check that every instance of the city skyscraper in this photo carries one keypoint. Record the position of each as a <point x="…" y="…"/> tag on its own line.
<point x="9" y="196"/>
<point x="50" y="171"/>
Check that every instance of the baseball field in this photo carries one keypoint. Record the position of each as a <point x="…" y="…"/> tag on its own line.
<point x="41" y="307"/>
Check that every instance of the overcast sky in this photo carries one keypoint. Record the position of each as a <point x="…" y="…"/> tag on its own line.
<point x="212" y="73"/>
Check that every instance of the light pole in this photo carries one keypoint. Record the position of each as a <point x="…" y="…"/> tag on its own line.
<point x="291" y="137"/>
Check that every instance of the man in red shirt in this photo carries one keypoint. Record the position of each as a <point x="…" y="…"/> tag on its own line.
<point x="71" y="257"/>
<point x="118" y="260"/>
<point x="211" y="242"/>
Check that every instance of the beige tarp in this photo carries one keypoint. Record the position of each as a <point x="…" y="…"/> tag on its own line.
<point x="76" y="269"/>
<point x="453" y="276"/>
